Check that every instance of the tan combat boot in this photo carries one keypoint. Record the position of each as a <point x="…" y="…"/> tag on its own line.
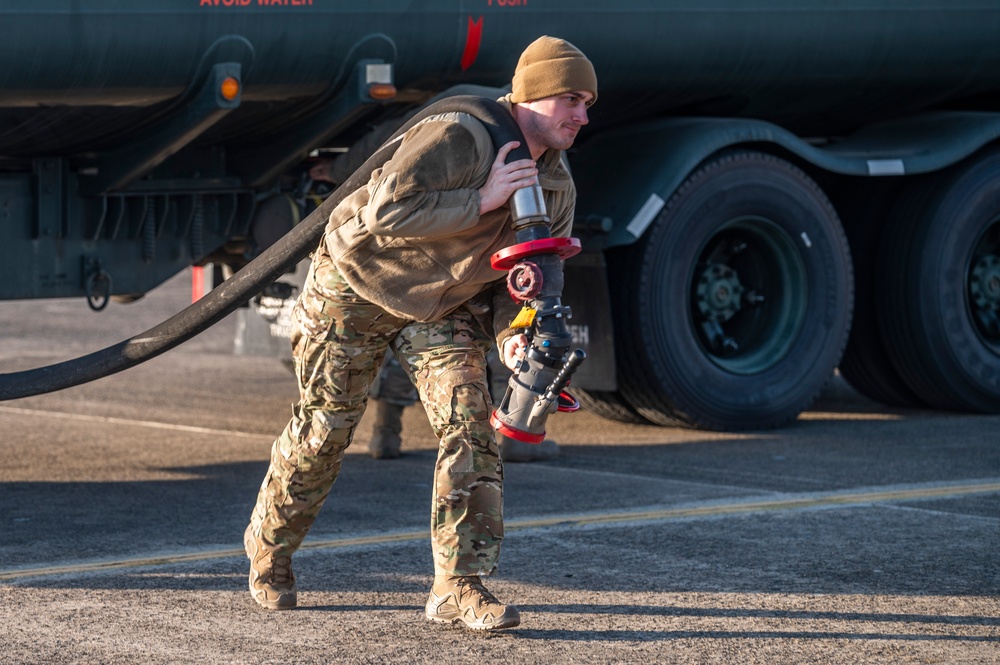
<point x="465" y="599"/>
<point x="272" y="582"/>
<point x="512" y="450"/>
<point x="386" y="441"/>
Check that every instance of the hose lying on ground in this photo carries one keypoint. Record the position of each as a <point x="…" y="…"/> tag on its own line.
<point x="274" y="262"/>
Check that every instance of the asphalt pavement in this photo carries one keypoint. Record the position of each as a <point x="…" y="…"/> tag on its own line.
<point x="859" y="534"/>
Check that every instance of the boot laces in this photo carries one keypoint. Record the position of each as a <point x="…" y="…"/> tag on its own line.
<point x="281" y="570"/>
<point x="474" y="585"/>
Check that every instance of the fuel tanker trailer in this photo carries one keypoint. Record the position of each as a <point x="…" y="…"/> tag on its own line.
<point x="768" y="189"/>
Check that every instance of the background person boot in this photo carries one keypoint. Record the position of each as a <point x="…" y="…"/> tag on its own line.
<point x="512" y="450"/>
<point x="386" y="440"/>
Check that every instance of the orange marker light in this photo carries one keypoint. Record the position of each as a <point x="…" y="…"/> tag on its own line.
<point x="230" y="88"/>
<point x="381" y="91"/>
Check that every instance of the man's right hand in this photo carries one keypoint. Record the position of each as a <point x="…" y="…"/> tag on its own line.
<point x="513" y="350"/>
<point x="505" y="179"/>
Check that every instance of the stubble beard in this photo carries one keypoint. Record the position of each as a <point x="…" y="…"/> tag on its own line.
<point x="549" y="136"/>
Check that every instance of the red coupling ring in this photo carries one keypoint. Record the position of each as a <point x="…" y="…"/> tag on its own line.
<point x="507" y="257"/>
<point x="524" y="281"/>
<point x="514" y="433"/>
<point x="567" y="403"/>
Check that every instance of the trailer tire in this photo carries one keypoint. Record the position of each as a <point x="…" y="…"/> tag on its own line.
<point x="865" y="208"/>
<point x="741" y="298"/>
<point x="940" y="295"/>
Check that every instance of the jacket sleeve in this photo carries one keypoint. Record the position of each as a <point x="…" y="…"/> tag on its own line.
<point x="426" y="189"/>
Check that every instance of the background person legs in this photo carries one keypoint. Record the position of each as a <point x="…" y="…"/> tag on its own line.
<point x="391" y="393"/>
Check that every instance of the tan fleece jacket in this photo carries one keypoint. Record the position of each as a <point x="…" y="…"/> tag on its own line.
<point x="412" y="240"/>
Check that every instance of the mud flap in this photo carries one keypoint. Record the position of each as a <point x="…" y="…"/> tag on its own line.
<point x="587" y="295"/>
<point x="265" y="327"/>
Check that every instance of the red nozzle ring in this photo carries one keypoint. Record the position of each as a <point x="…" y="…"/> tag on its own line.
<point x="526" y="437"/>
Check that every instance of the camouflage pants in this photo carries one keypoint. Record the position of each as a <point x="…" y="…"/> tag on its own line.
<point x="339" y="341"/>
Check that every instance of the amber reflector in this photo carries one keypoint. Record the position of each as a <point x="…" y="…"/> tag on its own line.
<point x="381" y="91"/>
<point x="230" y="88"/>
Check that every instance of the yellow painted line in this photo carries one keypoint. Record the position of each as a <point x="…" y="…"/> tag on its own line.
<point x="169" y="559"/>
<point x="820" y="501"/>
<point x="837" y="415"/>
<point x="715" y="510"/>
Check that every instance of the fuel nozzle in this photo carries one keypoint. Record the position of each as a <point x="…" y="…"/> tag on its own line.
<point x="535" y="278"/>
<point x="530" y="398"/>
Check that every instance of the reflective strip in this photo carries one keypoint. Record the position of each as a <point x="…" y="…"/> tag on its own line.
<point x="378" y="73"/>
<point x="645" y="216"/>
<point x="886" y="167"/>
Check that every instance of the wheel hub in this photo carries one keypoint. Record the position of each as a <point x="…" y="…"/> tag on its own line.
<point x="985" y="284"/>
<point x="719" y="293"/>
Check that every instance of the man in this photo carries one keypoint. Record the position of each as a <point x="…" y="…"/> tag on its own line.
<point x="404" y="264"/>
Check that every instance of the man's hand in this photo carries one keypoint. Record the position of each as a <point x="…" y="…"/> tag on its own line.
<point x="320" y="171"/>
<point x="513" y="350"/>
<point x="505" y="179"/>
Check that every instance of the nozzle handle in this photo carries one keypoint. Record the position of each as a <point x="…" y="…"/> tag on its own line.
<point x="562" y="378"/>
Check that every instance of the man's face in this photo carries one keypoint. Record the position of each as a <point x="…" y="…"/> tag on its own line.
<point x="554" y="122"/>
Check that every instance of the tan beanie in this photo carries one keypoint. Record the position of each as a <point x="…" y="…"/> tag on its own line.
<point x="551" y="66"/>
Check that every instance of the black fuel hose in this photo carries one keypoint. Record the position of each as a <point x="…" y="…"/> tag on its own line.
<point x="271" y="264"/>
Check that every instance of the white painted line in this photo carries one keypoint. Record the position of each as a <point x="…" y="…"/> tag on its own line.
<point x="135" y="423"/>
